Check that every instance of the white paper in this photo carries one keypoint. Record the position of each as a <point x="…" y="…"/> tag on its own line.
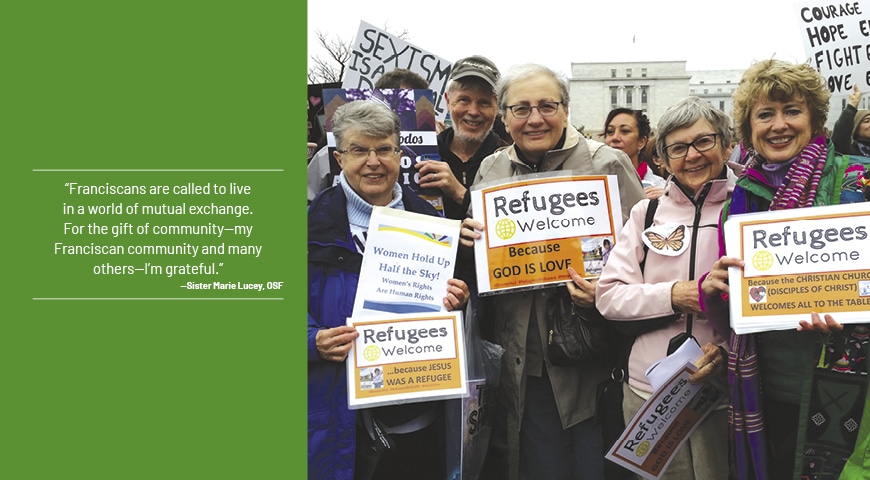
<point x="659" y="372"/>
<point x="407" y="261"/>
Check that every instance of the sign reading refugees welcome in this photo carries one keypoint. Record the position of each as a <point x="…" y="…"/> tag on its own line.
<point x="663" y="424"/>
<point x="797" y="262"/>
<point x="537" y="226"/>
<point x="406" y="358"/>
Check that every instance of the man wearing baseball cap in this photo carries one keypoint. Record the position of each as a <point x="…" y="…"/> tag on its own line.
<point x="473" y="106"/>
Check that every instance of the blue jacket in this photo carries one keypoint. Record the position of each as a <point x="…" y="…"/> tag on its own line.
<point x="333" y="275"/>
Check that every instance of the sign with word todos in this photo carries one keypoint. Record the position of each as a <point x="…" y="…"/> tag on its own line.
<point x="376" y="52"/>
<point x="407" y="260"/>
<point x="417" y="137"/>
<point x="664" y="423"/>
<point x="537" y="226"/>
<point x="797" y="262"/>
<point x="836" y="39"/>
<point x="406" y="358"/>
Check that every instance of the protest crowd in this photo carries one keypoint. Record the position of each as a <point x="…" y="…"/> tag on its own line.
<point x="784" y="403"/>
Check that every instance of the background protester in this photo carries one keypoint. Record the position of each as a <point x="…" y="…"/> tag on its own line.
<point x="472" y="104"/>
<point x="694" y="139"/>
<point x="651" y="156"/>
<point x="606" y="247"/>
<point x="320" y="176"/>
<point x="339" y="443"/>
<point x="629" y="130"/>
<point x="544" y="426"/>
<point x="780" y="111"/>
<point x="851" y="133"/>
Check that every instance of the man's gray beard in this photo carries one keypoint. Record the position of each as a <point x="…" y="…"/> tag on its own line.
<point x="469" y="139"/>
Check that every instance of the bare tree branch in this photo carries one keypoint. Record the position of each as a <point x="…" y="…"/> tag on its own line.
<point x="330" y="69"/>
<point x="338" y="51"/>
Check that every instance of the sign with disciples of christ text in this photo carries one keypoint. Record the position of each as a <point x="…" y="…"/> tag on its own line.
<point x="799" y="261"/>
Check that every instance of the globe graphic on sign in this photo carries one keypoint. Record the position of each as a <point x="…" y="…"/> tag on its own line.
<point x="762" y="260"/>
<point x="505" y="228"/>
<point x="371" y="353"/>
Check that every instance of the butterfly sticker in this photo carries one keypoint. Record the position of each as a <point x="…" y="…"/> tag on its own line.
<point x="668" y="239"/>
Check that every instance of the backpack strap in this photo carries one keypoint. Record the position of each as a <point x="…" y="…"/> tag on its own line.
<point x="648" y="220"/>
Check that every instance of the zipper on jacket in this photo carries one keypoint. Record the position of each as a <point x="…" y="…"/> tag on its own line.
<point x="696" y="224"/>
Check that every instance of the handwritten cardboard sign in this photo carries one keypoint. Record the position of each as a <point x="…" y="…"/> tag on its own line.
<point x="836" y="39"/>
<point x="376" y="52"/>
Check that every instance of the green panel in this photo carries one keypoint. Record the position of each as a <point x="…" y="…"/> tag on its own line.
<point x="109" y="374"/>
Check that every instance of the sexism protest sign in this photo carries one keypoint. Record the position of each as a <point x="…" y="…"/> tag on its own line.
<point x="537" y="226"/>
<point x="376" y="52"/>
<point x="797" y="262"/>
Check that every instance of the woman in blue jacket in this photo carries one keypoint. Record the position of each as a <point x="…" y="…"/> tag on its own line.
<point x="367" y="136"/>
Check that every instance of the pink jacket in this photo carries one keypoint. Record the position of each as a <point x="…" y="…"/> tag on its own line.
<point x="626" y="293"/>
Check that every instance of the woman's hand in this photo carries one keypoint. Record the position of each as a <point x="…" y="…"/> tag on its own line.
<point x="468" y="231"/>
<point x="684" y="297"/>
<point x="816" y="324"/>
<point x="457" y="294"/>
<point x="716" y="282"/>
<point x="582" y="291"/>
<point x="652" y="192"/>
<point x="333" y="344"/>
<point x="711" y="362"/>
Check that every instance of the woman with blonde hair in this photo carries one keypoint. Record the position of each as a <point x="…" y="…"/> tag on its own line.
<point x="791" y="416"/>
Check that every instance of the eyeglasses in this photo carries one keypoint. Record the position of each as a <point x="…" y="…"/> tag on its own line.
<point x="703" y="143"/>
<point x="546" y="109"/>
<point x="385" y="152"/>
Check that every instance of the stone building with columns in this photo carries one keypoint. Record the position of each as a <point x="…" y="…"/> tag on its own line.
<point x="597" y="88"/>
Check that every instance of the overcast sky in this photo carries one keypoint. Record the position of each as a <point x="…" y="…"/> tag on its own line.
<point x="708" y="35"/>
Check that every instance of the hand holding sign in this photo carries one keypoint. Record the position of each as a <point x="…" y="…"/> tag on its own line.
<point x="818" y="325"/>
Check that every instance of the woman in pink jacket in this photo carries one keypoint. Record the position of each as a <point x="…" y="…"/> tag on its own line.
<point x="652" y="272"/>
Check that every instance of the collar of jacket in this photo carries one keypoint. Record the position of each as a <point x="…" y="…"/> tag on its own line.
<point x="720" y="188"/>
<point x="554" y="158"/>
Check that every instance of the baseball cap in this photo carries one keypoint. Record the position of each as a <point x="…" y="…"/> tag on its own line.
<point x="476" y="66"/>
